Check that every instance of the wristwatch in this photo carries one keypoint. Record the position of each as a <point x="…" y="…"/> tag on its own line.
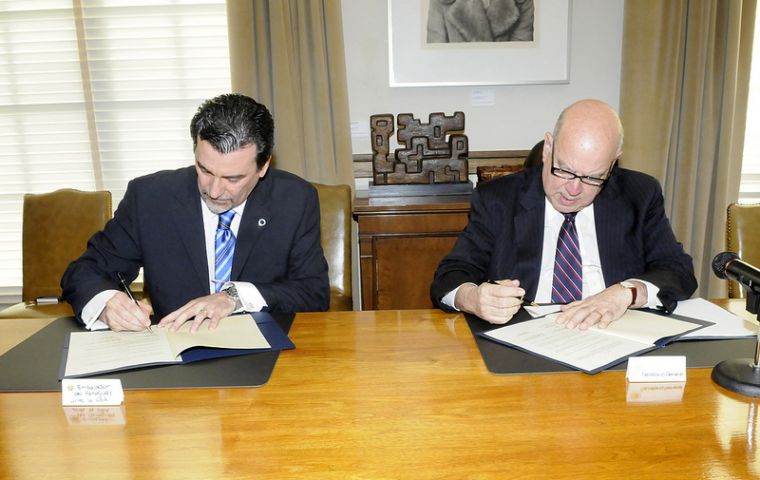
<point x="632" y="288"/>
<point x="230" y="290"/>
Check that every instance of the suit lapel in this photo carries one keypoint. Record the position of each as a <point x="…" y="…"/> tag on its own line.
<point x="502" y="16"/>
<point x="187" y="216"/>
<point x="255" y="221"/>
<point x="529" y="234"/>
<point x="610" y="228"/>
<point x="469" y="17"/>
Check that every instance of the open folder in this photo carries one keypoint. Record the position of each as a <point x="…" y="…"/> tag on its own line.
<point x="595" y="349"/>
<point x="94" y="353"/>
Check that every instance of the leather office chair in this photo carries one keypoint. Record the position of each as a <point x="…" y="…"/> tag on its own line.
<point x="335" y="230"/>
<point x="743" y="238"/>
<point x="56" y="228"/>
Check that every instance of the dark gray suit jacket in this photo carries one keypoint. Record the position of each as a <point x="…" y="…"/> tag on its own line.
<point x="504" y="237"/>
<point x="159" y="226"/>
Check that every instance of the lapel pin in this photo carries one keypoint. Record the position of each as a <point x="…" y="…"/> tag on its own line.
<point x="262" y="222"/>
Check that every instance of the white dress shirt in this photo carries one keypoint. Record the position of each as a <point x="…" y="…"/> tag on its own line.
<point x="249" y="295"/>
<point x="593" y="278"/>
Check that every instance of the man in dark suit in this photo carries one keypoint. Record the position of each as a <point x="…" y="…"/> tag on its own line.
<point x="228" y="235"/>
<point x="610" y="217"/>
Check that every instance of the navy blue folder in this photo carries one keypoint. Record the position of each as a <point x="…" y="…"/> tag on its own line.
<point x="34" y="364"/>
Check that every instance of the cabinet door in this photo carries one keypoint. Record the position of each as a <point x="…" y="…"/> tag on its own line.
<point x="404" y="268"/>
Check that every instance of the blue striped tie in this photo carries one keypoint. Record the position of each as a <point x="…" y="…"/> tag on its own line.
<point x="568" y="268"/>
<point x="224" y="248"/>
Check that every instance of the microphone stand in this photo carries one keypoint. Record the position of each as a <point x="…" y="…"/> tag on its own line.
<point x="742" y="375"/>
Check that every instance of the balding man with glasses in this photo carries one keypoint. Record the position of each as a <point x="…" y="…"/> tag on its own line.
<point x="578" y="231"/>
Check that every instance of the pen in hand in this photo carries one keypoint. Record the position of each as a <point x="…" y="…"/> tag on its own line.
<point x="126" y="289"/>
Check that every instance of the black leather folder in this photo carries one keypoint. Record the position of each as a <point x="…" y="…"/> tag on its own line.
<point x="502" y="359"/>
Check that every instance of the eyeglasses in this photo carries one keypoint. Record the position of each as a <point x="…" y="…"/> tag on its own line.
<point x="567" y="175"/>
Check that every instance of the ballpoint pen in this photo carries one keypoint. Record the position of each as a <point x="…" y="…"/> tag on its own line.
<point x="126" y="289"/>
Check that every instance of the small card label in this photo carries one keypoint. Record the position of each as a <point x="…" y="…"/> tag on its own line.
<point x="91" y="391"/>
<point x="657" y="369"/>
<point x="483" y="97"/>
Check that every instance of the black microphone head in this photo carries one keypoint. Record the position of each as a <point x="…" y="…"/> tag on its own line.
<point x="720" y="262"/>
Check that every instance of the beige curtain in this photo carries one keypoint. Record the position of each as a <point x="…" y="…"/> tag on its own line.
<point x="685" y="80"/>
<point x="288" y="54"/>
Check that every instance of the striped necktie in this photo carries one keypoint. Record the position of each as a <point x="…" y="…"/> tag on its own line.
<point x="568" y="268"/>
<point x="224" y="248"/>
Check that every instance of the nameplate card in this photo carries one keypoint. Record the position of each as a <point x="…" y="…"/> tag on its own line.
<point x="657" y="369"/>
<point x="91" y="391"/>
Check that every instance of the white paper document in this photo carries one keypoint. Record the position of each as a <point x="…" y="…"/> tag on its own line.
<point x="104" y="351"/>
<point x="725" y="323"/>
<point x="541" y="310"/>
<point x="596" y="348"/>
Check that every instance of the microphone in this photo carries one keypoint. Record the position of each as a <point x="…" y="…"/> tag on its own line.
<point x="729" y="265"/>
<point x="741" y="375"/>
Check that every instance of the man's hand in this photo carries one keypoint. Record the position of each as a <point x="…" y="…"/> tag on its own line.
<point x="601" y="309"/>
<point x="493" y="302"/>
<point x="122" y="314"/>
<point x="212" y="307"/>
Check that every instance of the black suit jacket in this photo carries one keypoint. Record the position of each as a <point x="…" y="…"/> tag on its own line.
<point x="504" y="237"/>
<point x="159" y="226"/>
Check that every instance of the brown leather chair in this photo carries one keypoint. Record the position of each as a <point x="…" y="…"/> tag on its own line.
<point x="56" y="228"/>
<point x="335" y="213"/>
<point x="743" y="238"/>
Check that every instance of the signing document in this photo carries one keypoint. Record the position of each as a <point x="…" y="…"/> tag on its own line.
<point x="91" y="353"/>
<point x="594" y="349"/>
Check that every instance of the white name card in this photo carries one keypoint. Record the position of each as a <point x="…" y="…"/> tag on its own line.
<point x="91" y="391"/>
<point x="657" y="369"/>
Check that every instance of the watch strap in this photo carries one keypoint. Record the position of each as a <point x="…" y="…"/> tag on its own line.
<point x="231" y="290"/>
<point x="634" y="291"/>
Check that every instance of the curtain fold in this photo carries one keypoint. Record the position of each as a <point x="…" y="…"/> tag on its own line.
<point x="683" y="103"/>
<point x="288" y="54"/>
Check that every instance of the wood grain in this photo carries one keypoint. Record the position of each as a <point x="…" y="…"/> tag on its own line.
<point x="401" y="243"/>
<point x="389" y="394"/>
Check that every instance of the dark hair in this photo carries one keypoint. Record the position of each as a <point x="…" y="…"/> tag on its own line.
<point x="232" y="121"/>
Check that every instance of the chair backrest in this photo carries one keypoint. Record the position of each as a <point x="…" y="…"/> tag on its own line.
<point x="335" y="230"/>
<point x="743" y="238"/>
<point x="56" y="228"/>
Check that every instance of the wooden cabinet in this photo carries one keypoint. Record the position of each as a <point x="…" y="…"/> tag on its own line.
<point x="401" y="242"/>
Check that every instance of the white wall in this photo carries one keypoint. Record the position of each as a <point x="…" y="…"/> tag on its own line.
<point x="596" y="33"/>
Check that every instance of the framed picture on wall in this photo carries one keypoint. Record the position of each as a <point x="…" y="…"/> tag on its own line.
<point x="478" y="42"/>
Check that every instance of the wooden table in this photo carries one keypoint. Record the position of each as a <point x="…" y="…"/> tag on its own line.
<point x="382" y="395"/>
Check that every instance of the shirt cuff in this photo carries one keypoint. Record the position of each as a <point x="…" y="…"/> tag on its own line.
<point x="250" y="297"/>
<point x="91" y="312"/>
<point x="449" y="298"/>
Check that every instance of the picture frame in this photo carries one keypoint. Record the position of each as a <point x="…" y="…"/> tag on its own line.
<point x="413" y="62"/>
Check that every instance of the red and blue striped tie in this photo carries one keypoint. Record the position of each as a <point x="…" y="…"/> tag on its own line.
<point x="224" y="249"/>
<point x="568" y="268"/>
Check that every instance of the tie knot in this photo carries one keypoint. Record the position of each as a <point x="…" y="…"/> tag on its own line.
<point x="225" y="219"/>
<point x="570" y="217"/>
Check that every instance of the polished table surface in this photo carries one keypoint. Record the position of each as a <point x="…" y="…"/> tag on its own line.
<point x="386" y="394"/>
